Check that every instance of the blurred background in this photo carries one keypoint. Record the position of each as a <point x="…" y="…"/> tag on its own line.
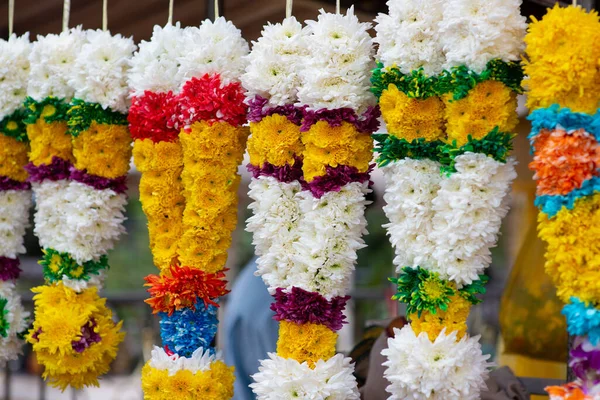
<point x="519" y="322"/>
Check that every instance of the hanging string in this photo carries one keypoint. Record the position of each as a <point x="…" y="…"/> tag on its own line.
<point x="337" y="7"/>
<point x="216" y="9"/>
<point x="170" y="12"/>
<point x="288" y="8"/>
<point x="575" y="3"/>
<point x="66" y="11"/>
<point x="104" y="15"/>
<point x="11" y="16"/>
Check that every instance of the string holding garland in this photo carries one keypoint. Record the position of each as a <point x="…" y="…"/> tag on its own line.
<point x="104" y="15"/>
<point x="11" y="15"/>
<point x="288" y="8"/>
<point x="170" y="19"/>
<point x="66" y="14"/>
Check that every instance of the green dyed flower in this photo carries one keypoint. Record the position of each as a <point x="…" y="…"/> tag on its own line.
<point x="52" y="109"/>
<point x="391" y="148"/>
<point x="13" y="126"/>
<point x="4" y="325"/>
<point x="469" y="292"/>
<point x="82" y="114"/>
<point x="57" y="264"/>
<point x="422" y="290"/>
<point x="415" y="84"/>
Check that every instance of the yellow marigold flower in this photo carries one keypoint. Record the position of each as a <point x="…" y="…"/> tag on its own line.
<point x="563" y="57"/>
<point x="204" y="250"/>
<point x="572" y="252"/>
<point x="150" y="156"/>
<point x="13" y="157"/>
<point x="306" y="342"/>
<point x="48" y="140"/>
<point x="488" y="105"/>
<point x="275" y="139"/>
<point x="409" y="118"/>
<point x="341" y="145"/>
<point x="103" y="150"/>
<point x="454" y="319"/>
<point x="152" y="383"/>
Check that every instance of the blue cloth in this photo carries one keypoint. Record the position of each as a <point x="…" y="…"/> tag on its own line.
<point x="250" y="330"/>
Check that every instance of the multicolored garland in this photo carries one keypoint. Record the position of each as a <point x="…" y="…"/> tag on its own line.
<point x="187" y="116"/>
<point x="15" y="191"/>
<point x="311" y="164"/>
<point x="447" y="83"/>
<point x="563" y="88"/>
<point x="80" y="151"/>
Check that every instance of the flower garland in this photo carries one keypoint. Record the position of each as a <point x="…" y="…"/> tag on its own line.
<point x="447" y="83"/>
<point x="15" y="192"/>
<point x="186" y="119"/>
<point x="562" y="88"/>
<point x="310" y="154"/>
<point x="80" y="151"/>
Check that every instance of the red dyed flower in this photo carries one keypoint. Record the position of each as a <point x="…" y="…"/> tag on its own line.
<point x="153" y="116"/>
<point x="205" y="99"/>
<point x="181" y="287"/>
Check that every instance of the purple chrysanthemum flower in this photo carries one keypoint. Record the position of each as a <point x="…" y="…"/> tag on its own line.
<point x="335" y="178"/>
<point x="10" y="184"/>
<point x="257" y="110"/>
<point x="58" y="169"/>
<point x="9" y="268"/>
<point x="88" y="337"/>
<point x="287" y="173"/>
<point x="368" y="122"/>
<point x="119" y="184"/>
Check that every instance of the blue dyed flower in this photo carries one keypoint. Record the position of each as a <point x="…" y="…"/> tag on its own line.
<point x="187" y="330"/>
<point x="553" y="116"/>
<point x="552" y="204"/>
<point x="583" y="320"/>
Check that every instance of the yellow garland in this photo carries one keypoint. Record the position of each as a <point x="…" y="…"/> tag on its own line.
<point x="215" y="383"/>
<point x="488" y="105"/>
<point x="60" y="313"/>
<point x="306" y="342"/>
<point x="211" y="155"/>
<point x="48" y="140"/>
<point x="90" y="149"/>
<point x="161" y="196"/>
<point x="454" y="319"/>
<point x="572" y="254"/>
<point x="341" y="145"/>
<point x="409" y="118"/>
<point x="275" y="139"/>
<point x="13" y="157"/>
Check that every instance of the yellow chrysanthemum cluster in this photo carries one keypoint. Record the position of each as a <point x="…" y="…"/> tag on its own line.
<point x="161" y="194"/>
<point x="488" y="105"/>
<point x="13" y="157"/>
<point x="215" y="383"/>
<point x="306" y="342"/>
<point x="453" y="319"/>
<point x="91" y="150"/>
<point x="572" y="255"/>
<point x="211" y="155"/>
<point x="562" y="64"/>
<point x="47" y="140"/>
<point x="276" y="140"/>
<point x="327" y="145"/>
<point x="60" y="314"/>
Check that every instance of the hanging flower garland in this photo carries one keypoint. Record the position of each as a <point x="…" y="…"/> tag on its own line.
<point x="446" y="82"/>
<point x="15" y="193"/>
<point x="562" y="89"/>
<point x="311" y="169"/>
<point x="80" y="151"/>
<point x="186" y="118"/>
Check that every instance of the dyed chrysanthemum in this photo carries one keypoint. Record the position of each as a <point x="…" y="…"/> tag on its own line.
<point x="583" y="319"/>
<point x="422" y="290"/>
<point x="182" y="287"/>
<point x="58" y="266"/>
<point x="152" y="116"/>
<point x="186" y="330"/>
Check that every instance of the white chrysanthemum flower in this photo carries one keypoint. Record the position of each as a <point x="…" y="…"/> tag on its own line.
<point x="200" y="360"/>
<point x="337" y="72"/>
<point x="156" y="64"/>
<point x="445" y="369"/>
<point x="17" y="320"/>
<point x="79" y="285"/>
<point x="474" y="32"/>
<point x="52" y="60"/>
<point x="14" y="219"/>
<point x="214" y="48"/>
<point x="275" y="62"/>
<point x="14" y="73"/>
<point x="409" y="36"/>
<point x="279" y="378"/>
<point x="100" y="71"/>
<point x="75" y="218"/>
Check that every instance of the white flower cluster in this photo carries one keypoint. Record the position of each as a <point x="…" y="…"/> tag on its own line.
<point x="409" y="36"/>
<point x="438" y="35"/>
<point x="17" y="319"/>
<point x="274" y="64"/>
<point x="75" y="218"/>
<point x="214" y="48"/>
<point x="199" y="361"/>
<point x="14" y="219"/>
<point x="99" y="74"/>
<point x="79" y="285"/>
<point x="337" y="72"/>
<point x="447" y="224"/>
<point x="14" y="73"/>
<point x="286" y="379"/>
<point x="52" y="60"/>
<point x="445" y="369"/>
<point x="307" y="242"/>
